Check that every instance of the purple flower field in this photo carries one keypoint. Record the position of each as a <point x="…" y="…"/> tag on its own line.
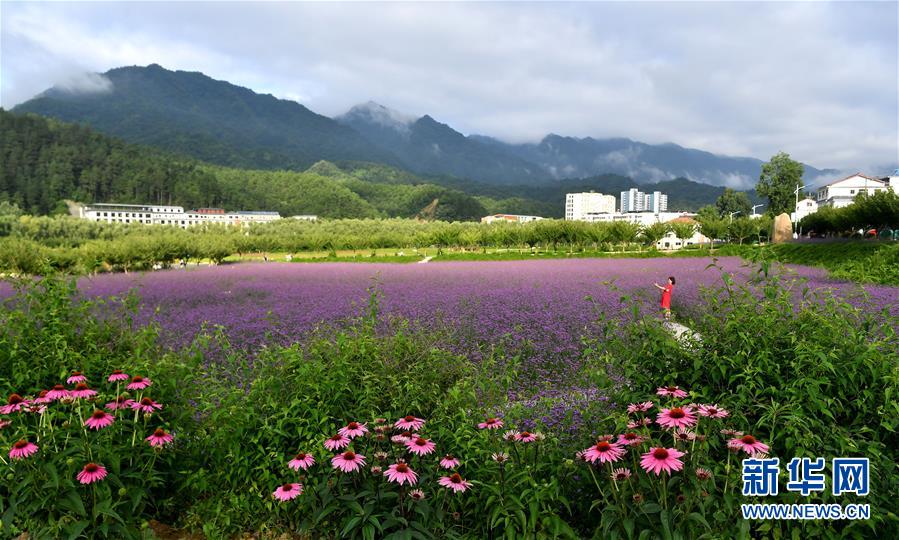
<point x="541" y="302"/>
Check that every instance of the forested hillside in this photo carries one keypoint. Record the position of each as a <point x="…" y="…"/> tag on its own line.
<point x="45" y="162"/>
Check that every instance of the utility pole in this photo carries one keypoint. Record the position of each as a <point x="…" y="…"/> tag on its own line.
<point x="796" y="208"/>
<point x="732" y="214"/>
<point x="756" y="206"/>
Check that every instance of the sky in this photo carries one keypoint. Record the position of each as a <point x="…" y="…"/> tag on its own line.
<point x="817" y="80"/>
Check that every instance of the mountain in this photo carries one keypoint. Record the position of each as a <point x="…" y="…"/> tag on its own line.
<point x="192" y="114"/>
<point x="44" y="162"/>
<point x="215" y="121"/>
<point x="427" y="146"/>
<point x="571" y="157"/>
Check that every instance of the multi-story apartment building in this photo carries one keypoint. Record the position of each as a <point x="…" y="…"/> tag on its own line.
<point x="579" y="205"/>
<point x="152" y="214"/>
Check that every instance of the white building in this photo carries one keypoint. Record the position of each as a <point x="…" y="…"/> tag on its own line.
<point x="634" y="200"/>
<point x="803" y="208"/>
<point x="578" y="205"/>
<point x="509" y="218"/>
<point x="841" y="193"/>
<point x="670" y="241"/>
<point x="170" y="215"/>
<point x="640" y="218"/>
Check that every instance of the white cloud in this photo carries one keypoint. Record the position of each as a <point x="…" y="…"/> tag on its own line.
<point x="818" y="80"/>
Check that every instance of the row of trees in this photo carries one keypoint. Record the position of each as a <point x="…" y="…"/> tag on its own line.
<point x="877" y="211"/>
<point x="28" y="242"/>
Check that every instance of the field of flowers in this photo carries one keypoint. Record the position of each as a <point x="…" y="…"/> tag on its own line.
<point x="550" y="304"/>
<point x="442" y="400"/>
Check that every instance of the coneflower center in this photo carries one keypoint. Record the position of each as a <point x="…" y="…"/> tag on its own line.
<point x="76" y="374"/>
<point x="677" y="412"/>
<point x="349" y="456"/>
<point x="491" y="420"/>
<point x="660" y="453"/>
<point x="81" y="386"/>
<point x="58" y="387"/>
<point x="159" y="432"/>
<point x="287" y="487"/>
<point x="449" y="457"/>
<point x="409" y="418"/>
<point x="352" y="425"/>
<point x="301" y="456"/>
<point x="14" y="399"/>
<point x="42" y="394"/>
<point x="455" y="478"/>
<point x="748" y="439"/>
<point x="91" y="467"/>
<point x="137" y="379"/>
<point x="117" y="372"/>
<point x="402" y="467"/>
<point x="20" y="444"/>
<point x="421" y="442"/>
<point x="672" y="389"/>
<point x="630" y="436"/>
<point x="603" y="446"/>
<point x="98" y="414"/>
<point x="712" y="412"/>
<point x="146" y="401"/>
<point x="525" y="434"/>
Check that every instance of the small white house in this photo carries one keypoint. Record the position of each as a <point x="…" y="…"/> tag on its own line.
<point x="670" y="241"/>
<point x="841" y="193"/>
<point x="803" y="208"/>
<point x="509" y="218"/>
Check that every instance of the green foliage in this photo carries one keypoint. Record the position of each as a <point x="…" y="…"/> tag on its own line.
<point x="880" y="211"/>
<point x="654" y="232"/>
<point x="808" y="374"/>
<point x="733" y="201"/>
<point x="778" y="181"/>
<point x="742" y="228"/>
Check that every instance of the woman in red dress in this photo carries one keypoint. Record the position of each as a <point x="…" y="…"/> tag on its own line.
<point x="666" y="296"/>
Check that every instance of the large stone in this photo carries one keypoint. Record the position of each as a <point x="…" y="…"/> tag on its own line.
<point x="783" y="229"/>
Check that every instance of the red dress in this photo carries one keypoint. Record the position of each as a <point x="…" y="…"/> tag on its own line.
<point x="666" y="296"/>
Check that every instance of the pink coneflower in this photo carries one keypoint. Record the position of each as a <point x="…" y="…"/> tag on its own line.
<point x="117" y="376"/>
<point x="732" y="432"/>
<point x="82" y="391"/>
<point x="455" y="483"/>
<point x="348" y="461"/>
<point x="685" y="435"/>
<point x="57" y="392"/>
<point x="91" y="473"/>
<point x="703" y="474"/>
<point x="676" y="417"/>
<point x="420" y="446"/>
<point x="500" y="457"/>
<point x="403" y="438"/>
<point x="409" y="423"/>
<point x="146" y="405"/>
<point x="353" y="430"/>
<point x="449" y="462"/>
<point x="337" y="442"/>
<point x="139" y="383"/>
<point x="400" y="473"/>
<point x="380" y="455"/>
<point x="120" y="402"/>
<point x="42" y="398"/>
<point x="673" y="391"/>
<point x="15" y="403"/>
<point x="606" y="438"/>
<point x="662" y="459"/>
<point x="620" y="475"/>
<point x="525" y="437"/>
<point x="77" y="377"/>
<point x="630" y="439"/>
<point x="288" y="492"/>
<point x="748" y="444"/>
<point x="98" y="420"/>
<point x="713" y="411"/>
<point x="159" y="438"/>
<point x="491" y="423"/>
<point x="416" y="494"/>
<point x="301" y="461"/>
<point x="511" y="435"/>
<point x="603" y="451"/>
<point x="639" y="407"/>
<point x="376" y="470"/>
<point x="22" y="449"/>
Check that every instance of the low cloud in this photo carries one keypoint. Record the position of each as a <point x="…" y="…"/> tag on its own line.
<point x="85" y="83"/>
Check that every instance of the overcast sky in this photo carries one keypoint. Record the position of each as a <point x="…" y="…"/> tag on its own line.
<point x="818" y="80"/>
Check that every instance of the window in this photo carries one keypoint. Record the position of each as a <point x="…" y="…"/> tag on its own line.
<point x="852" y="192"/>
